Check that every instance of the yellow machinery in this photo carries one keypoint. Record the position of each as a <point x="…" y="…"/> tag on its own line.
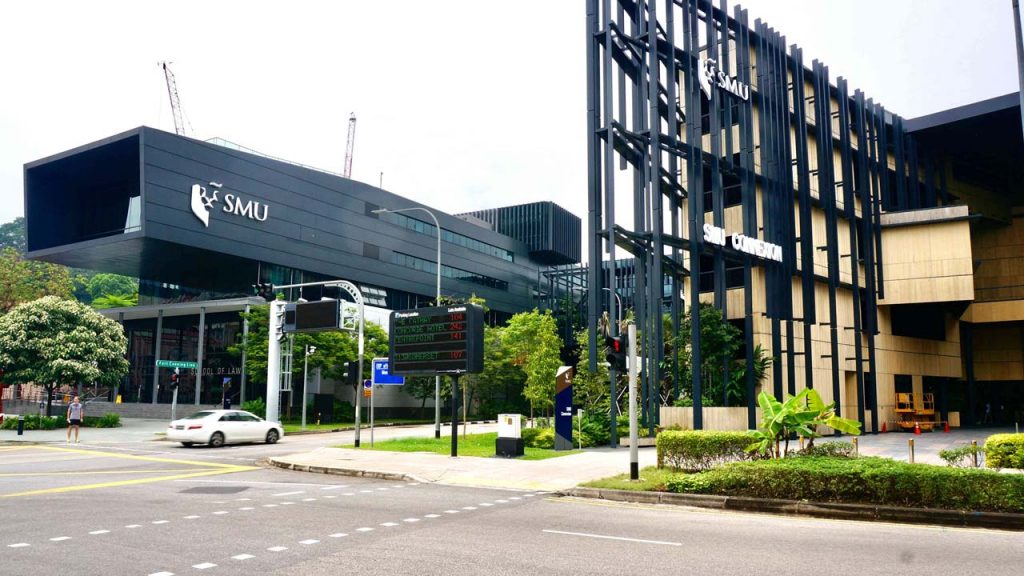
<point x="908" y="414"/>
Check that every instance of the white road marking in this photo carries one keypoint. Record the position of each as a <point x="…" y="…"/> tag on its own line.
<point x="399" y="486"/>
<point x="270" y="505"/>
<point x="603" y="537"/>
<point x="246" y="508"/>
<point x="242" y="557"/>
<point x="220" y="512"/>
<point x="18" y="545"/>
<point x="134" y="526"/>
<point x="384" y="488"/>
<point x="160" y="521"/>
<point x="501" y="501"/>
<point x="335" y="487"/>
<point x="289" y="484"/>
<point x="367" y="491"/>
<point x="277" y="548"/>
<point x="287" y="503"/>
<point x="469" y="507"/>
<point x="431" y="515"/>
<point x="349" y="494"/>
<point x="330" y="496"/>
<point x="389" y="524"/>
<point x="192" y="517"/>
<point x="308" y="542"/>
<point x="451" y="511"/>
<point x="486" y="504"/>
<point x="162" y="574"/>
<point x="530" y="495"/>
<point x="98" y="532"/>
<point x="363" y="529"/>
<point x="288" y="493"/>
<point x="515" y="498"/>
<point x="220" y="502"/>
<point x="411" y="520"/>
<point x="414" y="484"/>
<point x="339" y="535"/>
<point x="242" y="499"/>
<point x="60" y="538"/>
<point x="308" y="499"/>
<point x="204" y="566"/>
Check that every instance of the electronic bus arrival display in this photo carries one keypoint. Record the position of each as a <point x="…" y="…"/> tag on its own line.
<point x="439" y="340"/>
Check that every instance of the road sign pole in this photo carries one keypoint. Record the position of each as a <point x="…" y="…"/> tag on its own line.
<point x="371" y="413"/>
<point x="634" y="458"/>
<point x="174" y="398"/>
<point x="455" y="415"/>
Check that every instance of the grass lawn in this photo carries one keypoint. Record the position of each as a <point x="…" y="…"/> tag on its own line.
<point x="471" y="445"/>
<point x="651" y="478"/>
<point x="290" y="426"/>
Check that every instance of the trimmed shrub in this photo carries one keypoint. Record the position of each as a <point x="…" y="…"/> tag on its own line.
<point x="695" y="450"/>
<point x="257" y="407"/>
<point x="539" y="437"/>
<point x="1004" y="451"/>
<point x="861" y="480"/>
<point x="109" y="420"/>
<point x="962" y="457"/>
<point x="834" y="449"/>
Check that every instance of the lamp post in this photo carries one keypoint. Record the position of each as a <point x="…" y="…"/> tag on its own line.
<point x="437" y="302"/>
<point x="305" y="380"/>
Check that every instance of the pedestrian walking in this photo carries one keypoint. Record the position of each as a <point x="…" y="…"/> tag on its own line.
<point x="76" y="412"/>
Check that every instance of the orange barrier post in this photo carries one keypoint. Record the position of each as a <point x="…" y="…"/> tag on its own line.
<point x="946" y="428"/>
<point x="917" y="429"/>
<point x="883" y="428"/>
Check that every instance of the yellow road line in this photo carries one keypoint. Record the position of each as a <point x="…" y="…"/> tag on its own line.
<point x="13" y="448"/>
<point x="225" y="469"/>
<point x="33" y="474"/>
<point x="134" y="457"/>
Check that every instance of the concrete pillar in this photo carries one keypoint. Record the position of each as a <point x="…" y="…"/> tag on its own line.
<point x="156" y="351"/>
<point x="199" y="352"/>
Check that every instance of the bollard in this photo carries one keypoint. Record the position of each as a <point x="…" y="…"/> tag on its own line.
<point x="21" y="425"/>
<point x="910" y="448"/>
<point x="974" y="452"/>
<point x="856" y="447"/>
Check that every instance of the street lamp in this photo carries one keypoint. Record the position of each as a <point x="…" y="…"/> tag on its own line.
<point x="437" y="302"/>
<point x="305" y="379"/>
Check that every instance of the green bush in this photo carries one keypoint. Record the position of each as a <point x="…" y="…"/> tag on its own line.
<point x="539" y="437"/>
<point x="834" y="449"/>
<point x="695" y="450"/>
<point x="1004" y="451"/>
<point x="344" y="411"/>
<point x="109" y="420"/>
<point x="257" y="407"/>
<point x="34" y="422"/>
<point x="861" y="480"/>
<point x="962" y="456"/>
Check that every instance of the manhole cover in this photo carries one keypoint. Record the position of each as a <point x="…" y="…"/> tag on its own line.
<point x="215" y="490"/>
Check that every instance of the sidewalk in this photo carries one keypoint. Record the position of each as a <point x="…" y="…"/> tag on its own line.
<point x="552" y="474"/>
<point x="926" y="446"/>
<point x="131" y="430"/>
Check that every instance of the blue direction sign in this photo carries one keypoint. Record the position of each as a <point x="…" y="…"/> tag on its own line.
<point x="382" y="373"/>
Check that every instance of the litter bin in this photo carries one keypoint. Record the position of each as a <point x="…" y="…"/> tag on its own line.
<point x="21" y="424"/>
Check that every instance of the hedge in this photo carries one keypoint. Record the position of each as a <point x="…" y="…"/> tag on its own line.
<point x="861" y="480"/>
<point x="1004" y="451"/>
<point x="695" y="450"/>
<point x="37" y="422"/>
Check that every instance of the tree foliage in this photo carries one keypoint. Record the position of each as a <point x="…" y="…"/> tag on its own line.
<point x="534" y="345"/>
<point x="115" y="301"/>
<point x="12" y="235"/>
<point x="103" y="284"/>
<point x="801" y="415"/>
<point x="51" y="342"/>
<point x="24" y="280"/>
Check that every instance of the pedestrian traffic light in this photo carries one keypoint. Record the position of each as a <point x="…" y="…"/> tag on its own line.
<point x="616" y="354"/>
<point x="174" y="380"/>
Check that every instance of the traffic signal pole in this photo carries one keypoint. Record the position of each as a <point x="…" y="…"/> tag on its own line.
<point x="634" y="455"/>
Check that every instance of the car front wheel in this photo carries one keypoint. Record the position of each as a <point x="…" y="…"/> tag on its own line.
<point x="217" y="440"/>
<point x="272" y="437"/>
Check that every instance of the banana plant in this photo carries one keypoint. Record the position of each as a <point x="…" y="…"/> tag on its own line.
<point x="800" y="414"/>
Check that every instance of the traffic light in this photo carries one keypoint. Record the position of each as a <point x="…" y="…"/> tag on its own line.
<point x="352" y="373"/>
<point x="616" y="355"/>
<point x="265" y="290"/>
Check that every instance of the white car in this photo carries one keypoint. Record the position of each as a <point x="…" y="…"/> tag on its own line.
<point x="219" y="427"/>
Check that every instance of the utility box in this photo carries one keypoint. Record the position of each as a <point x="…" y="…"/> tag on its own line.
<point x="510" y="436"/>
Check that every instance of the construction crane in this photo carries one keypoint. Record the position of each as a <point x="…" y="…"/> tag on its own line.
<point x="350" y="145"/>
<point x="172" y="94"/>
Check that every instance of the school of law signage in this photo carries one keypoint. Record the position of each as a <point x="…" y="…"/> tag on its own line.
<point x="741" y="243"/>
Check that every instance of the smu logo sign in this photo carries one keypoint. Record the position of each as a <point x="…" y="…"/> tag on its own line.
<point x="203" y="201"/>
<point x="709" y="75"/>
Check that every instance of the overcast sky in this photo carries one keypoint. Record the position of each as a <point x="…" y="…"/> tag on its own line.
<point x="462" y="105"/>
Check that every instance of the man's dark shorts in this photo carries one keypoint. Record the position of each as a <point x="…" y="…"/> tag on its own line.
<point x="74" y="422"/>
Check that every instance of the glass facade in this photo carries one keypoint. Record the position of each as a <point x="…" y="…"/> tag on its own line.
<point x="452" y="237"/>
<point x="446" y="271"/>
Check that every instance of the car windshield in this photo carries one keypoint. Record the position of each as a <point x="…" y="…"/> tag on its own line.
<point x="198" y="415"/>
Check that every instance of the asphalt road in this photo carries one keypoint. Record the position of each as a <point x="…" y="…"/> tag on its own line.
<point x="167" y="510"/>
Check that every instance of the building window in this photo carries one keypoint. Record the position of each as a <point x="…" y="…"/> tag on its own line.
<point x="452" y="237"/>
<point x="447" y="271"/>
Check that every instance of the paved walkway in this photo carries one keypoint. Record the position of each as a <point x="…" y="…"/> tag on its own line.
<point x="131" y="430"/>
<point x="926" y="446"/>
<point x="551" y="474"/>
